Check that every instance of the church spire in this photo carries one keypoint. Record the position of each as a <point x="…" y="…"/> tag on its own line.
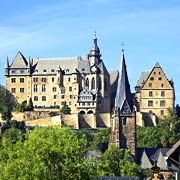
<point x="95" y="52"/>
<point x="123" y="100"/>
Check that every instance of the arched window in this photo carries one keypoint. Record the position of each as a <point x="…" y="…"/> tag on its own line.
<point x="93" y="83"/>
<point x="82" y="112"/>
<point x="35" y="98"/>
<point x="100" y="84"/>
<point x="87" y="83"/>
<point x="43" y="98"/>
<point x="90" y="112"/>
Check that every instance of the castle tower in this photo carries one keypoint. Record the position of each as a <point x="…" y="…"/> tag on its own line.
<point x="123" y="131"/>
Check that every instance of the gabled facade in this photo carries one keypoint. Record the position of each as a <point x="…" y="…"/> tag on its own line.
<point x="154" y="92"/>
<point x="123" y="130"/>
<point x="83" y="83"/>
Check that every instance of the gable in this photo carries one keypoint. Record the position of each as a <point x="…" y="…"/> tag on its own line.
<point x="19" y="61"/>
<point x="157" y="80"/>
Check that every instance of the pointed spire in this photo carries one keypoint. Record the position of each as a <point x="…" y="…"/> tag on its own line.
<point x="7" y="63"/>
<point x="123" y="99"/>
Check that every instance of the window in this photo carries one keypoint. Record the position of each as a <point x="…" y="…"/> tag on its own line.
<point x="13" y="71"/>
<point x="21" y="71"/>
<point x="162" y="93"/>
<point x="52" y="70"/>
<point x="62" y="90"/>
<point x="124" y="121"/>
<point x="43" y="98"/>
<point x="150" y="103"/>
<point x="43" y="88"/>
<point x="159" y="72"/>
<point x="87" y="83"/>
<point x="160" y="78"/>
<point x="35" y="79"/>
<point x="62" y="96"/>
<point x="150" y="84"/>
<point x="43" y="79"/>
<point x="13" y="90"/>
<point x="162" y="85"/>
<point x="55" y="96"/>
<point x="35" y="88"/>
<point x="70" y="103"/>
<point x="151" y="78"/>
<point x="54" y="89"/>
<point x="70" y="88"/>
<point x="93" y="83"/>
<point x="162" y="112"/>
<point x="53" y="79"/>
<point x="21" y="90"/>
<point x="154" y="72"/>
<point x="35" y="98"/>
<point x="44" y="70"/>
<point x="21" y="80"/>
<point x="70" y="96"/>
<point x="63" y="103"/>
<point x="162" y="103"/>
<point x="69" y="79"/>
<point x="150" y="93"/>
<point x="13" y="80"/>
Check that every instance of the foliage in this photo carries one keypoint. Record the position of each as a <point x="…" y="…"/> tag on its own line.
<point x="65" y="109"/>
<point x="100" y="140"/>
<point x="22" y="107"/>
<point x="117" y="162"/>
<point x="7" y="103"/>
<point x="30" y="105"/>
<point x="165" y="134"/>
<point x="46" y="153"/>
<point x="96" y="141"/>
<point x="53" y="113"/>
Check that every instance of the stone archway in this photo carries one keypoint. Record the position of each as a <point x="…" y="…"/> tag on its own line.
<point x="82" y="112"/>
<point x="90" y="112"/>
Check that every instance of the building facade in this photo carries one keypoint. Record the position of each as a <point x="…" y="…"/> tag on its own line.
<point x="83" y="83"/>
<point x="154" y="93"/>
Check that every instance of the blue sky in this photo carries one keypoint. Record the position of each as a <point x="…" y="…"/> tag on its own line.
<point x="149" y="29"/>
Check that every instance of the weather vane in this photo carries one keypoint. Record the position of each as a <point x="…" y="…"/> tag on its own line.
<point x="122" y="46"/>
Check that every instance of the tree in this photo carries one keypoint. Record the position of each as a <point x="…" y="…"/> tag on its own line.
<point x="165" y="134"/>
<point x="117" y="162"/>
<point x="7" y="103"/>
<point x="65" y="109"/>
<point x="30" y="105"/>
<point x="45" y="153"/>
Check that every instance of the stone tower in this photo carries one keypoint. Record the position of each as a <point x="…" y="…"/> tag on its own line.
<point x="123" y="130"/>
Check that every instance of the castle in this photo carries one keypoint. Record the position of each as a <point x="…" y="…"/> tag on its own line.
<point x="97" y="97"/>
<point x="83" y="83"/>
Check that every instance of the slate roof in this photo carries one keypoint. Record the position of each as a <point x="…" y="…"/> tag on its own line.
<point x="69" y="65"/>
<point x="147" y="156"/>
<point x="19" y="61"/>
<point x="173" y="153"/>
<point x="113" y="76"/>
<point x="143" y="78"/>
<point x="123" y="93"/>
